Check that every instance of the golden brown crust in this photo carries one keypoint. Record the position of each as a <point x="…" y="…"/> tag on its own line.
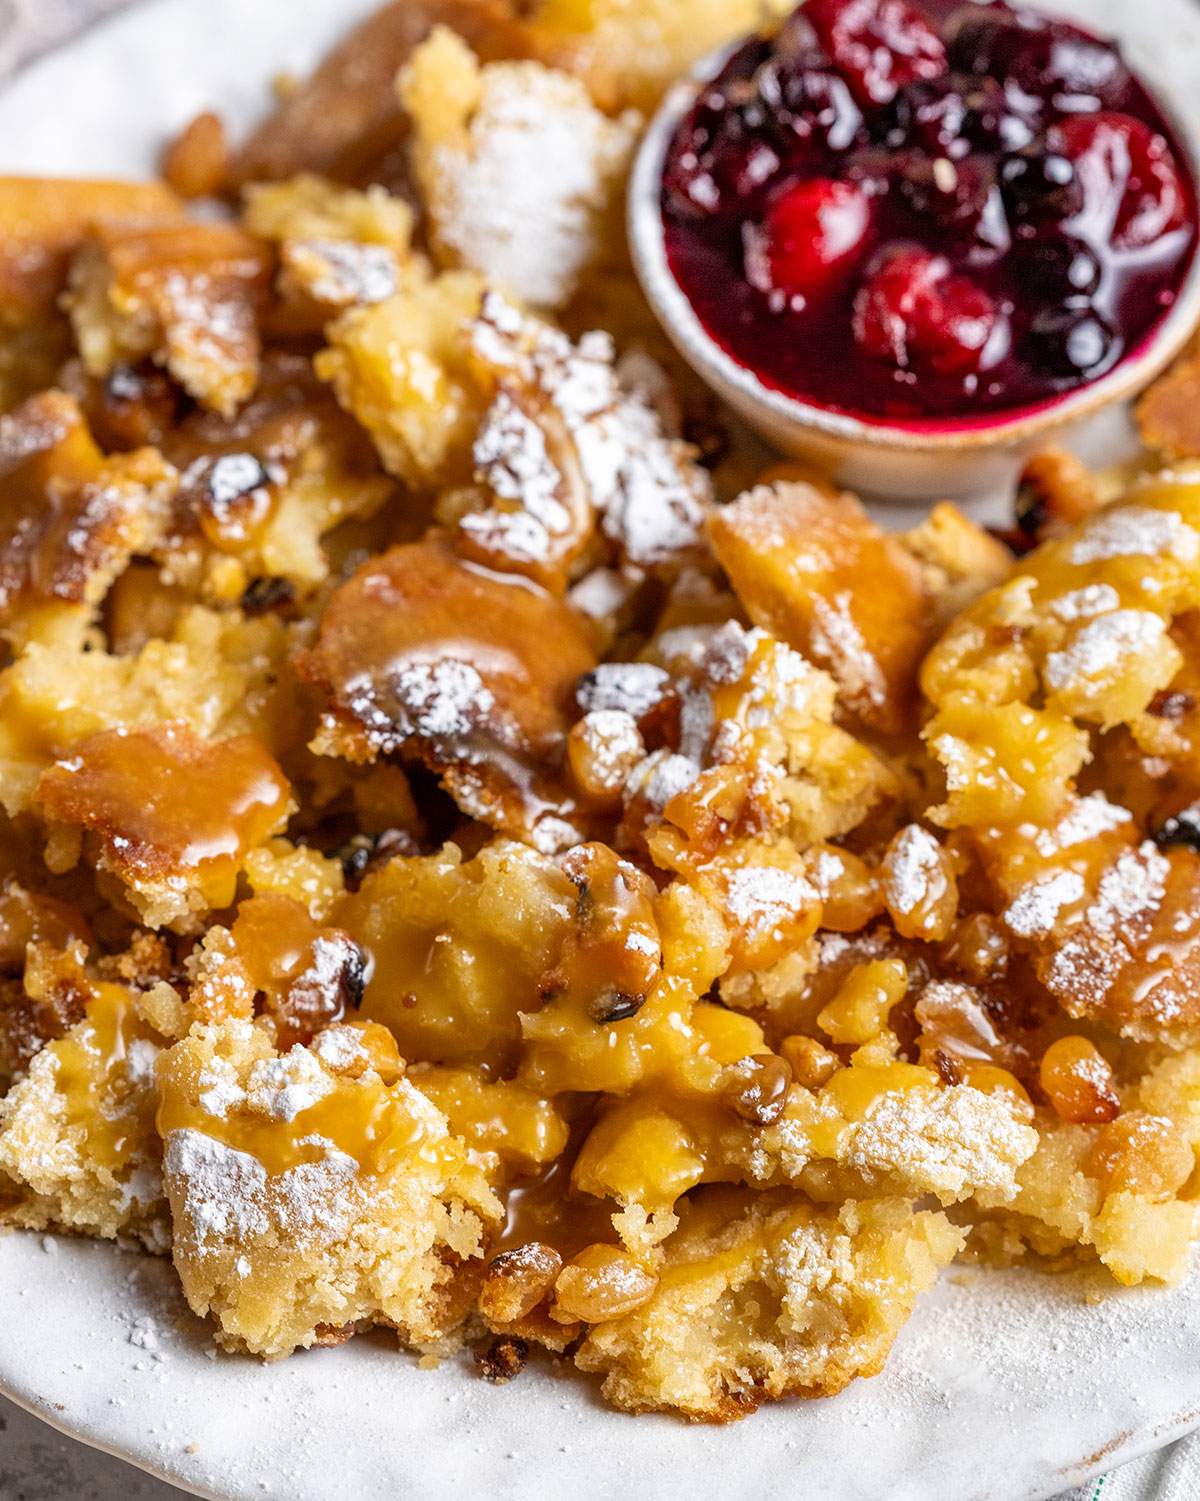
<point x="345" y="121"/>
<point x="46" y="220"/>
<point x="173" y="815"/>
<point x="70" y="518"/>
<point x="817" y="573"/>
<point x="190" y="294"/>
<point x="406" y="661"/>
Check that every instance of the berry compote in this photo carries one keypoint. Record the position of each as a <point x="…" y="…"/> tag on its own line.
<point x="925" y="213"/>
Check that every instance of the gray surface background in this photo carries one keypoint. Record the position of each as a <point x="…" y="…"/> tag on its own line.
<point x="38" y="1464"/>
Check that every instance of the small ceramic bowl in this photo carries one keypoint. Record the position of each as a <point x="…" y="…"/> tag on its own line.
<point x="962" y="460"/>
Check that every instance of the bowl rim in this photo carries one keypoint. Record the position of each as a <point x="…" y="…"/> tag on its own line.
<point x="738" y="383"/>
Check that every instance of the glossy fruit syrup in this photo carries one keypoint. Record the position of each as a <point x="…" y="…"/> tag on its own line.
<point x="927" y="216"/>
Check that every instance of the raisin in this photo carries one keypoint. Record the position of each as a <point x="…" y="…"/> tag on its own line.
<point x="503" y="1359"/>
<point x="616" y="1006"/>
<point x="265" y="594"/>
<point x="1181" y="828"/>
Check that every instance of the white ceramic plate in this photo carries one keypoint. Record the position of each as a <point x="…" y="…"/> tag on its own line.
<point x="1005" y="1387"/>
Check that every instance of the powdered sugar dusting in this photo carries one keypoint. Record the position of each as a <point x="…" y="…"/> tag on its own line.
<point x="1087" y="819"/>
<point x="342" y="273"/>
<point x="602" y="593"/>
<point x="219" y="1090"/>
<point x="1131" y="889"/>
<point x="340" y="1047"/>
<point x="684" y="646"/>
<point x="1135" y="532"/>
<point x="613" y="745"/>
<point x="827" y="871"/>
<point x="221" y="1187"/>
<point x="914" y="870"/>
<point x="1034" y="911"/>
<point x="1129" y="895"/>
<point x="650" y="496"/>
<point x="283" y="1088"/>
<point x="1081" y="604"/>
<point x="443" y="702"/>
<point x="1104" y="646"/>
<point x="141" y="1058"/>
<point x="760" y="897"/>
<point x="512" y="460"/>
<point x="949" y="1142"/>
<point x="522" y="199"/>
<point x="633" y="687"/>
<point x="226" y="1196"/>
<point x="727" y="652"/>
<point x="334" y="961"/>
<point x="839" y="642"/>
<point x="660" y="777"/>
<point x="809" y="1261"/>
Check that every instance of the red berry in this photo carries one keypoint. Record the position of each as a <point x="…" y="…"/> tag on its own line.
<point x="812" y="236"/>
<point x="958" y="332"/>
<point x="877" y="45"/>
<point x="1132" y="190"/>
<point x="914" y="314"/>
<point x="892" y="300"/>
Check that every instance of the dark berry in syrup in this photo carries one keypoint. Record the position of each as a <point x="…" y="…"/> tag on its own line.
<point x="877" y="45"/>
<point x="807" y="100"/>
<point x="1072" y="343"/>
<point x="960" y="198"/>
<point x="914" y="314"/>
<point x="1057" y="267"/>
<point x="718" y="168"/>
<point x="930" y="115"/>
<point x="956" y="114"/>
<point x="1040" y="185"/>
<point x="1050" y="61"/>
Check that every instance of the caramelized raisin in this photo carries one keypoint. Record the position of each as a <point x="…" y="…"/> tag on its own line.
<point x="757" y="1087"/>
<point x="1078" y="1081"/>
<point x="517" y="1281"/>
<point x="600" y="1284"/>
<point x="503" y="1359"/>
<point x="612" y="957"/>
<point x="1142" y="1154"/>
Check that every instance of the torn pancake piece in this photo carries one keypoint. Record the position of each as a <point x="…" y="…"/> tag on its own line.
<point x="520" y="172"/>
<point x="78" y="1148"/>
<point x="71" y="517"/>
<point x="171" y="814"/>
<point x="309" y="1196"/>
<point x="766" y="1296"/>
<point x="471" y="671"/>
<point x="187" y="293"/>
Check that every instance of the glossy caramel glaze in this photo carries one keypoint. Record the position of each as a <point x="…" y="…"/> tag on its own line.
<point x="471" y="670"/>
